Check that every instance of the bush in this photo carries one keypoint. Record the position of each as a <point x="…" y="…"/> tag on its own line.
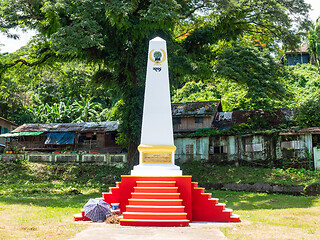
<point x="312" y="189"/>
<point x="309" y="113"/>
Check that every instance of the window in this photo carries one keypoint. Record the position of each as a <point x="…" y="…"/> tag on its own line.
<point x="291" y="144"/>
<point x="198" y="119"/>
<point x="256" y="147"/>
<point x="189" y="149"/>
<point x="176" y="121"/>
<point x="1" y="130"/>
<point x="218" y="149"/>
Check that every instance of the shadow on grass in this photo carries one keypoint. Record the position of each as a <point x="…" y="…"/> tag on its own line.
<point x="255" y="201"/>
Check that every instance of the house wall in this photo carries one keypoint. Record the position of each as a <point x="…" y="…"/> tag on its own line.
<point x="294" y="59"/>
<point x="294" y="146"/>
<point x="5" y="127"/>
<point x="189" y="123"/>
<point x="316" y="155"/>
<point x="102" y="143"/>
<point x="189" y="149"/>
<point x="251" y="147"/>
<point x="30" y="142"/>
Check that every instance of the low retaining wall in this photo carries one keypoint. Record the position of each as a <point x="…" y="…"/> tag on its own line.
<point x="258" y="187"/>
<point x="102" y="159"/>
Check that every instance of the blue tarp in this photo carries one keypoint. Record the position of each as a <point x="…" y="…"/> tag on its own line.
<point x="58" y="138"/>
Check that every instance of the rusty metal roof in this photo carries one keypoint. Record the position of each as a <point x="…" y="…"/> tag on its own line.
<point x="292" y="131"/>
<point x="70" y="127"/>
<point x="303" y="49"/>
<point x="273" y="117"/>
<point x="6" y="120"/>
<point x="190" y="109"/>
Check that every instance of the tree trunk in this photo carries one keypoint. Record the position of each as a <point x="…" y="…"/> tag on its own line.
<point x="133" y="155"/>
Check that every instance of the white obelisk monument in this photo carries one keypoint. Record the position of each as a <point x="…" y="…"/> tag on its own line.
<point x="156" y="150"/>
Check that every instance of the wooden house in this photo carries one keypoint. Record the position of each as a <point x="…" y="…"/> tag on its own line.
<point x="66" y="137"/>
<point x="262" y="148"/>
<point x="300" y="56"/>
<point x="6" y="126"/>
<point x="188" y="117"/>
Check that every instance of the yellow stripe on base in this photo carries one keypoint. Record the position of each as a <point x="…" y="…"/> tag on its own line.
<point x="162" y="148"/>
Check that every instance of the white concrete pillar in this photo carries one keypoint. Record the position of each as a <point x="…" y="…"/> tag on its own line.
<point x="157" y="146"/>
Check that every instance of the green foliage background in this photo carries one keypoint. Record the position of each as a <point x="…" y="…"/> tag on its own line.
<point x="88" y="59"/>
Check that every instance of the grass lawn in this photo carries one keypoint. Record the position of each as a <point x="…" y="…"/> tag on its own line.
<point x="272" y="216"/>
<point x="38" y="202"/>
<point x="41" y="215"/>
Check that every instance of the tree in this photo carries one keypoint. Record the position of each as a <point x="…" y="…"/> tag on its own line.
<point x="114" y="36"/>
<point x="314" y="43"/>
<point x="196" y="92"/>
<point x="256" y="71"/>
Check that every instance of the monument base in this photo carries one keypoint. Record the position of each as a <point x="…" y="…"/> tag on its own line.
<point x="164" y="201"/>
<point x="156" y="170"/>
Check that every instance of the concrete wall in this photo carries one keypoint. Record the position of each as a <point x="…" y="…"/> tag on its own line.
<point x="103" y="159"/>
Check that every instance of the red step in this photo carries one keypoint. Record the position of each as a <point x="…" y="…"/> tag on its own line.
<point x="158" y="197"/>
<point x="156" y="183"/>
<point x="209" y="209"/>
<point x="156" y="202"/>
<point x="156" y="189"/>
<point x="155" y="195"/>
<point x="154" y="209"/>
<point x="154" y="216"/>
<point x="154" y="223"/>
<point x="80" y="217"/>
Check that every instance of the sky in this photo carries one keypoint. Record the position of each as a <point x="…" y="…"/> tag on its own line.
<point x="11" y="45"/>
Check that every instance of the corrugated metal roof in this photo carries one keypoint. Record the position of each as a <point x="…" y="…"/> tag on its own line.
<point x="209" y="108"/>
<point x="303" y="49"/>
<point x="70" y="127"/>
<point x="274" y="117"/>
<point x="19" y="134"/>
<point x="312" y="130"/>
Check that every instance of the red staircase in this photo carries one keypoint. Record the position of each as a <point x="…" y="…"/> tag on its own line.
<point x="155" y="203"/>
<point x="209" y="209"/>
<point x="164" y="201"/>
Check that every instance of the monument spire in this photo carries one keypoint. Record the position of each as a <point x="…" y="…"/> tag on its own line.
<point x="156" y="150"/>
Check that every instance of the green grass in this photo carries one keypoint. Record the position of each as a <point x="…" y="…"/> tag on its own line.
<point x="272" y="216"/>
<point x="38" y="201"/>
<point x="205" y="173"/>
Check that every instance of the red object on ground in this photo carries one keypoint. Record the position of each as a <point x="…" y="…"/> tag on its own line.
<point x="81" y="217"/>
<point x="165" y="201"/>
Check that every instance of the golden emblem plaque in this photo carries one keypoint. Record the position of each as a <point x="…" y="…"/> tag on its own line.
<point x="157" y="157"/>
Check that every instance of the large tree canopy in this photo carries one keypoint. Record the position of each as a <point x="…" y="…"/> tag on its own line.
<point x="114" y="34"/>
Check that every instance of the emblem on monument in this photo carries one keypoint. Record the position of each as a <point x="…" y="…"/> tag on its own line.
<point x="157" y="57"/>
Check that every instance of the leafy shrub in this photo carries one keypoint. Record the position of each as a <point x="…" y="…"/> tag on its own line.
<point x="312" y="189"/>
<point x="309" y="113"/>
